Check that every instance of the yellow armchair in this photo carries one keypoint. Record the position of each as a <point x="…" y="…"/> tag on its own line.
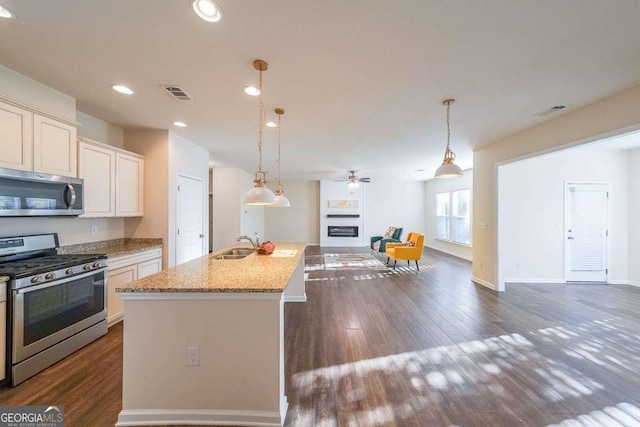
<point x="400" y="252"/>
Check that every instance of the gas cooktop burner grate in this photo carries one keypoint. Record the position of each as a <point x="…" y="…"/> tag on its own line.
<point x="39" y="265"/>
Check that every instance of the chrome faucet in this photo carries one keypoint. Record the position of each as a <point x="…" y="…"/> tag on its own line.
<point x="239" y="239"/>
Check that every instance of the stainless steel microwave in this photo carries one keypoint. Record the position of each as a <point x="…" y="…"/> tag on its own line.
<point x="36" y="194"/>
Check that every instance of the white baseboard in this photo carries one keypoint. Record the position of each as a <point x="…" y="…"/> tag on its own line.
<point x="618" y="282"/>
<point x="209" y="417"/>
<point x="449" y="253"/>
<point x="484" y="283"/>
<point x="115" y="319"/>
<point x="632" y="283"/>
<point x="295" y="298"/>
<point x="525" y="280"/>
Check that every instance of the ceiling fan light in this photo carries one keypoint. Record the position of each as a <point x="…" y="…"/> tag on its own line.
<point x="353" y="184"/>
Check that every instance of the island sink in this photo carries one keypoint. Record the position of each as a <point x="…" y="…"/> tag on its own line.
<point x="235" y="253"/>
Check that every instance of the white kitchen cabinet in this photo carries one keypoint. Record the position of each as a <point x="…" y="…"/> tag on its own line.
<point x="54" y="147"/>
<point x="16" y="137"/>
<point x="129" y="185"/>
<point x="33" y="140"/>
<point x="113" y="180"/>
<point x="3" y="329"/>
<point x="97" y="166"/>
<point x="125" y="269"/>
<point x="118" y="278"/>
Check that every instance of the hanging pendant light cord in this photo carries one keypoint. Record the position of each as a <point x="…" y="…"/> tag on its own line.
<point x="279" y="120"/>
<point x="261" y="117"/>
<point x="448" y="126"/>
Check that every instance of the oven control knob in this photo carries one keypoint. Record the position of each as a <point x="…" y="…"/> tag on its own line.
<point x="50" y="276"/>
<point x="87" y="267"/>
<point x="35" y="279"/>
<point x="68" y="271"/>
<point x="96" y="264"/>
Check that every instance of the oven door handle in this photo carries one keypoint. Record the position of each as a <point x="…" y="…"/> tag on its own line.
<point x="59" y="282"/>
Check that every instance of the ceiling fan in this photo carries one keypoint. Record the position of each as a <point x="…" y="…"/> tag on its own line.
<point x="352" y="180"/>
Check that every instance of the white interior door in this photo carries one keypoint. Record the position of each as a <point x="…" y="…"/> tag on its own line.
<point x="585" y="246"/>
<point x="190" y="241"/>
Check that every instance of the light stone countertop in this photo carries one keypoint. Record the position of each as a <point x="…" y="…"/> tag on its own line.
<point x="254" y="273"/>
<point x="113" y="248"/>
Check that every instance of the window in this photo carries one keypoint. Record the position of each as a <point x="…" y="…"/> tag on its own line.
<point x="453" y="216"/>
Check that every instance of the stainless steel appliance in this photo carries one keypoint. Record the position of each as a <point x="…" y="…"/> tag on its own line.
<point x="36" y="194"/>
<point x="57" y="303"/>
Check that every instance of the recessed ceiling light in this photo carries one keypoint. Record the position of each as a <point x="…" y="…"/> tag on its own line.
<point x="180" y="124"/>
<point x="207" y="10"/>
<point x="6" y="13"/>
<point x="122" y="89"/>
<point x="252" y="90"/>
<point x="271" y="124"/>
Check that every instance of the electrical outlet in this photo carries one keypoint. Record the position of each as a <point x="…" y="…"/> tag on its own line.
<point x="518" y="265"/>
<point x="94" y="229"/>
<point x="193" y="356"/>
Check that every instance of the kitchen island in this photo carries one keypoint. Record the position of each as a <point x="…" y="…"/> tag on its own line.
<point x="204" y="341"/>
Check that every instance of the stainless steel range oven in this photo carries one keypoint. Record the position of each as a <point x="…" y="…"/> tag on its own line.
<point x="57" y="304"/>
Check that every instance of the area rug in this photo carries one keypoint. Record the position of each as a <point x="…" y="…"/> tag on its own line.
<point x="346" y="261"/>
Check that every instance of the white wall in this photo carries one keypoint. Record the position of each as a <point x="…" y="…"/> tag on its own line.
<point x="153" y="144"/>
<point x="191" y="160"/>
<point x="300" y="222"/>
<point x="331" y="190"/>
<point x="225" y="206"/>
<point x="100" y="130"/>
<point x="634" y="215"/>
<point x="231" y="218"/>
<point x="394" y="203"/>
<point x="35" y="94"/>
<point x="251" y="217"/>
<point x="432" y="188"/>
<point x="608" y="117"/>
<point x="531" y="212"/>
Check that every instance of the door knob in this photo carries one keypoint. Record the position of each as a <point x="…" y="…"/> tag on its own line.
<point x="570" y="237"/>
<point x="202" y="236"/>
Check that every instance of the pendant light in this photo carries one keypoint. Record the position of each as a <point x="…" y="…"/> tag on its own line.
<point x="281" y="199"/>
<point x="448" y="169"/>
<point x="260" y="195"/>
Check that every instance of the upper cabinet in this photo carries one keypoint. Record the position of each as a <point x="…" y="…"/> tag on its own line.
<point x="36" y="141"/>
<point x="129" y="184"/>
<point x="16" y="137"/>
<point x="113" y="180"/>
<point x="54" y="147"/>
<point x="97" y="166"/>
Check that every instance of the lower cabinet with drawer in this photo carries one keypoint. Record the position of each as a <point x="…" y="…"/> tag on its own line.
<point x="125" y="269"/>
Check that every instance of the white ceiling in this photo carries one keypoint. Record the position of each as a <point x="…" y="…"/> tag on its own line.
<point x="361" y="81"/>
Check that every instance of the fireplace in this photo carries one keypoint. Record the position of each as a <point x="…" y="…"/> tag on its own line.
<point x="342" y="231"/>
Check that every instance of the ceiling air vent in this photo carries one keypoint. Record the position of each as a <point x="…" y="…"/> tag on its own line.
<point x="178" y="93"/>
<point x="551" y="110"/>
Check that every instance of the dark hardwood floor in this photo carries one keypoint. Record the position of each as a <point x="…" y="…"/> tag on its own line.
<point x="380" y="348"/>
